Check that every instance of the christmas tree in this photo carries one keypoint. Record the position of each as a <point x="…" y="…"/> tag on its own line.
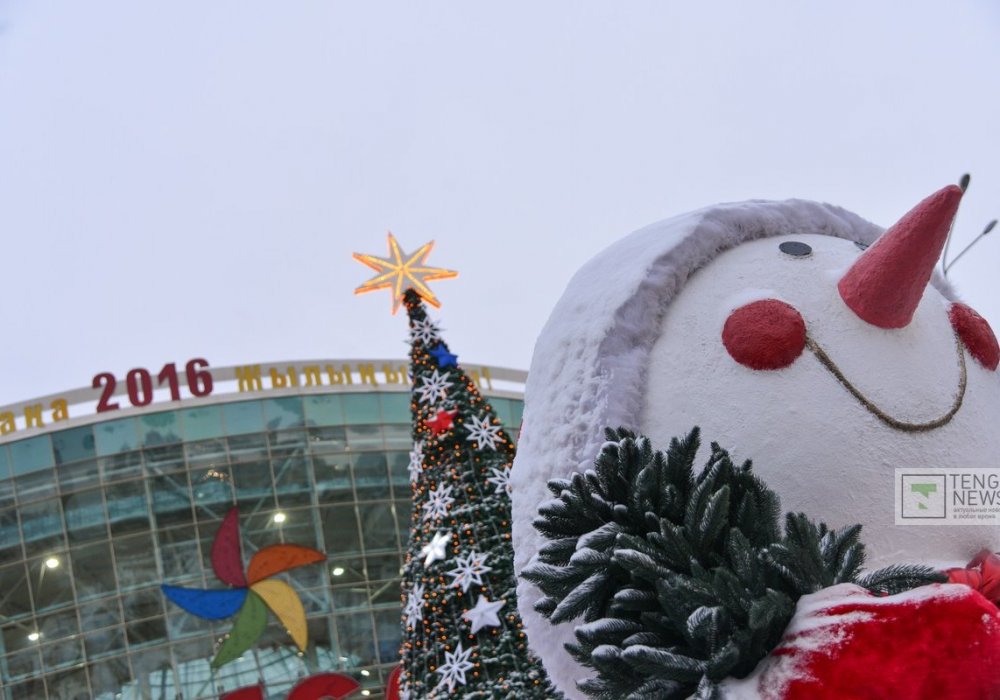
<point x="462" y="634"/>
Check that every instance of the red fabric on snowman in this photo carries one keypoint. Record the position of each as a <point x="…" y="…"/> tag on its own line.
<point x="938" y="642"/>
<point x="982" y="574"/>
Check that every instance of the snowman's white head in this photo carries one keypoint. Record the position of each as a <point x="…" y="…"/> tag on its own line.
<point x="794" y="334"/>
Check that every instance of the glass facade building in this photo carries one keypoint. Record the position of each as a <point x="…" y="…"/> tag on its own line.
<point x="96" y="514"/>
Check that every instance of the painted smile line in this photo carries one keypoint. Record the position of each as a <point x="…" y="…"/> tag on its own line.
<point x="878" y="412"/>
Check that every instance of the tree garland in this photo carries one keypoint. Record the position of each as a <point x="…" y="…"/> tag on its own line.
<point x="683" y="579"/>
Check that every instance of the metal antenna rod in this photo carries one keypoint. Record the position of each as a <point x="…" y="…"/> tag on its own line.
<point x="989" y="227"/>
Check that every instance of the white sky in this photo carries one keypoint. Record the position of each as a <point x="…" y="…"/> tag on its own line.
<point x="190" y="179"/>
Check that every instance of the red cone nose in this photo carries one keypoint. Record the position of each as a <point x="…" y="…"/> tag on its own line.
<point x="886" y="283"/>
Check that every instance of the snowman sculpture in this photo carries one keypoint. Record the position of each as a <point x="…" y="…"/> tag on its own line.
<point x="827" y="351"/>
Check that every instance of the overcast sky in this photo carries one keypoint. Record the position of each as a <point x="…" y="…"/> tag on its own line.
<point x="190" y="179"/>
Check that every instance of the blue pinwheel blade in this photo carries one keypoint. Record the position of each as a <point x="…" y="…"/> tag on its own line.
<point x="206" y="603"/>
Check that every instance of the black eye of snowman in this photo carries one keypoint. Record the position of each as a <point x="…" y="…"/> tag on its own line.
<point x="796" y="249"/>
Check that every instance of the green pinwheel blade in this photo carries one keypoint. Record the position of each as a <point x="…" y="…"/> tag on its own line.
<point x="249" y="625"/>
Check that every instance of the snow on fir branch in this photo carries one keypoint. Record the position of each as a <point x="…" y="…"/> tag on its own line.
<point x="683" y="579"/>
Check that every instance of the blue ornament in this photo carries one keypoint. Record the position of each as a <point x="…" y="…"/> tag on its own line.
<point x="443" y="357"/>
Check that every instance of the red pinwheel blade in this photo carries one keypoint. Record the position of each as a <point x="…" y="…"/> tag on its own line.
<point x="280" y="557"/>
<point x="251" y="692"/>
<point x="324" y="685"/>
<point x="226" y="558"/>
<point x="392" y="685"/>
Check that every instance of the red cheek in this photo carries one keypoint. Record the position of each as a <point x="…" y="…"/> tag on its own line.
<point x="766" y="334"/>
<point x="976" y="334"/>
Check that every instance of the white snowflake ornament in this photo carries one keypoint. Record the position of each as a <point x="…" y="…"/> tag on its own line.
<point x="468" y="570"/>
<point x="500" y="479"/>
<point x="455" y="665"/>
<point x="424" y="331"/>
<point x="434" y="388"/>
<point x="416" y="461"/>
<point x="482" y="431"/>
<point x="414" y="609"/>
<point x="438" y="503"/>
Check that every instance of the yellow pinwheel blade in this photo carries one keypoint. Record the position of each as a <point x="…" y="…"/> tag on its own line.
<point x="284" y="602"/>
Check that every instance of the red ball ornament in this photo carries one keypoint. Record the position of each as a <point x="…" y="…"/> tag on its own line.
<point x="765" y="334"/>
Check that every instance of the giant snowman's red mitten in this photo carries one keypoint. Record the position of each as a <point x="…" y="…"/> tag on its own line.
<point x="937" y="642"/>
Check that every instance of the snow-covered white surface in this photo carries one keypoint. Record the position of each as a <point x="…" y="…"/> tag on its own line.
<point x="811" y="441"/>
<point x="615" y="353"/>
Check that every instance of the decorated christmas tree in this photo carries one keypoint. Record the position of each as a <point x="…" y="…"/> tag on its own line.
<point x="462" y="634"/>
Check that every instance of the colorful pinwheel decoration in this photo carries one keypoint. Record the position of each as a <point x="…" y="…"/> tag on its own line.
<point x="253" y="592"/>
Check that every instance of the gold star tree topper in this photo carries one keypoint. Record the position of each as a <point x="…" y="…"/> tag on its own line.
<point x="400" y="272"/>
